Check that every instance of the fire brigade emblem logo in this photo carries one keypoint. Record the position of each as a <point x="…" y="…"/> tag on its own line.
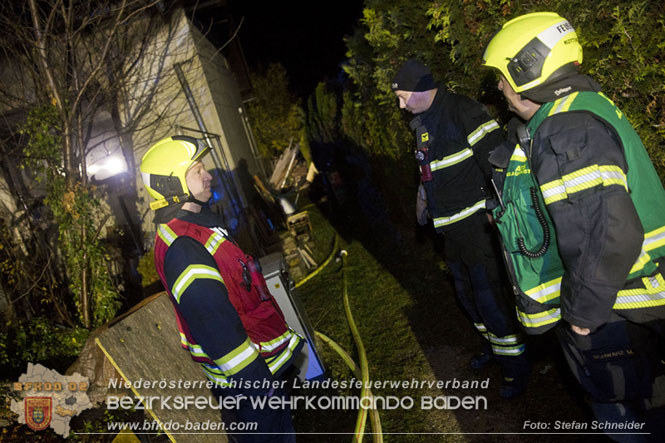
<point x="37" y="412"/>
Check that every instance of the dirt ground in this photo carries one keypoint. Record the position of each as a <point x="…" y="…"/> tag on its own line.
<point x="551" y="398"/>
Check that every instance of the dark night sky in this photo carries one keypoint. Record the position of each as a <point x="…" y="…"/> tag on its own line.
<point x="306" y="37"/>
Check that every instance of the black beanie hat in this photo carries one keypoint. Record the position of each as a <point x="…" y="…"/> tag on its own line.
<point x="413" y="76"/>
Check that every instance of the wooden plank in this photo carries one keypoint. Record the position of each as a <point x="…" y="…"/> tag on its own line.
<point x="290" y="168"/>
<point x="308" y="256"/>
<point x="280" y="166"/>
<point x="283" y="164"/>
<point x="144" y="346"/>
<point x="265" y="194"/>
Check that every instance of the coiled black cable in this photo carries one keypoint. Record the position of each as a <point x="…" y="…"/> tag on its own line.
<point x="543" y="224"/>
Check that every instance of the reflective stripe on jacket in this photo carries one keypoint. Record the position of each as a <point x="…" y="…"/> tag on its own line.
<point x="457" y="133"/>
<point x="538" y="280"/>
<point x="268" y="334"/>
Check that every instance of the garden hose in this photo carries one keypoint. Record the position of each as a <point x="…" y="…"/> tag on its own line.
<point x="361" y="373"/>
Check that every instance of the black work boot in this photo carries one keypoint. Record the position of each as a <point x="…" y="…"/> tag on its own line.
<point x="480" y="360"/>
<point x="512" y="387"/>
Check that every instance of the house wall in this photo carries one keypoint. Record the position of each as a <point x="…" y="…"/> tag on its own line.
<point x="226" y="100"/>
<point x="153" y="105"/>
<point x="215" y="92"/>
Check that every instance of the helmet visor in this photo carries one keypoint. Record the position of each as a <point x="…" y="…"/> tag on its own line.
<point x="199" y="148"/>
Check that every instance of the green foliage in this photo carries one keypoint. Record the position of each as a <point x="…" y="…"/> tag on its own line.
<point x="305" y="149"/>
<point x="623" y="43"/>
<point x="39" y="340"/>
<point x="363" y="122"/>
<point x="17" y="271"/>
<point x="275" y="114"/>
<point x="99" y="424"/>
<point x="147" y="268"/>
<point x="79" y="214"/>
<point x="322" y="116"/>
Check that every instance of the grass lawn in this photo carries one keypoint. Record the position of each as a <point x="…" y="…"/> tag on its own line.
<point x="387" y="316"/>
<point x="413" y="329"/>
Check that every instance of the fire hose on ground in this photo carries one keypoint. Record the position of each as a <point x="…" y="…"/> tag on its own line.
<point x="361" y="372"/>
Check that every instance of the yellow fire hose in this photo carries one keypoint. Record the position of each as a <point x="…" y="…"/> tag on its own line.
<point x="361" y="373"/>
<point x="375" y="420"/>
<point x="323" y="265"/>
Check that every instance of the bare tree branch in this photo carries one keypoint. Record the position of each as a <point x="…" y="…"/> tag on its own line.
<point x="41" y="49"/>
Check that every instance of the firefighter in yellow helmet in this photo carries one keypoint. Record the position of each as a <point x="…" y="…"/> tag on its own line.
<point x="164" y="168"/>
<point x="582" y="219"/>
<point x="228" y="320"/>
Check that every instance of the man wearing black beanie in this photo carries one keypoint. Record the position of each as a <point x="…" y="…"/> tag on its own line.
<point x="454" y="135"/>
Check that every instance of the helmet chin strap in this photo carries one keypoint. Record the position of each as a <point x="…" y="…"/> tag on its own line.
<point x="193" y="199"/>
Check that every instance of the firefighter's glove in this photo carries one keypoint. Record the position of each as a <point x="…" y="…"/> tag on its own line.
<point x="421" y="206"/>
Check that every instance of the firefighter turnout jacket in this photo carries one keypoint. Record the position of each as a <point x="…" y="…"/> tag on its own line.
<point x="453" y="140"/>
<point x="227" y="319"/>
<point x="583" y="218"/>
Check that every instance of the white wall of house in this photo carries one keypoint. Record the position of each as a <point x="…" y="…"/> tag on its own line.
<point x="214" y="89"/>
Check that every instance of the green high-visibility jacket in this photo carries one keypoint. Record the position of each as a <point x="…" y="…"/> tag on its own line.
<point x="604" y="210"/>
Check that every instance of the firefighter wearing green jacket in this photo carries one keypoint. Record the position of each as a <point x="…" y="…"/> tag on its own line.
<point x="582" y="220"/>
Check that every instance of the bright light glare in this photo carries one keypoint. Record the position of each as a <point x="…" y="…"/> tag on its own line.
<point x="114" y="166"/>
<point x="107" y="167"/>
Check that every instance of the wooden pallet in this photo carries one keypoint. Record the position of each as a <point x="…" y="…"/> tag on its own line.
<point x="299" y="224"/>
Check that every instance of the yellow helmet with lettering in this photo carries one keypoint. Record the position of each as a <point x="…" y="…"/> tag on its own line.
<point x="164" y="166"/>
<point x="534" y="49"/>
